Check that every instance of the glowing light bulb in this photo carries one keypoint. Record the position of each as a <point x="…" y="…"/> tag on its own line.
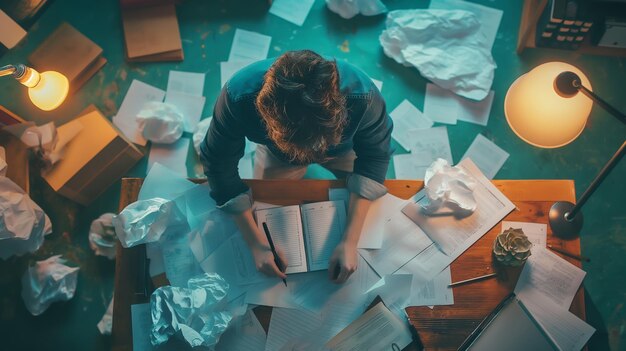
<point x="50" y="92"/>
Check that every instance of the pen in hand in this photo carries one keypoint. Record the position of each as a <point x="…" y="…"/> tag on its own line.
<point x="277" y="260"/>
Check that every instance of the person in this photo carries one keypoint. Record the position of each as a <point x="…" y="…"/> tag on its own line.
<point x="300" y="108"/>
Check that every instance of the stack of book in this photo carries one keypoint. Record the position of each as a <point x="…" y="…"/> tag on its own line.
<point x="69" y="52"/>
<point x="151" y="31"/>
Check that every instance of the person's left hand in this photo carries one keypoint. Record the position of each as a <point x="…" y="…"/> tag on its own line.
<point x="344" y="260"/>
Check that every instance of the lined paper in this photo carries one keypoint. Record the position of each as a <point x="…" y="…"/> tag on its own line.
<point x="186" y="82"/>
<point x="249" y="46"/>
<point x="287" y="325"/>
<point x="324" y="223"/>
<point x="487" y="156"/>
<point x="285" y="228"/>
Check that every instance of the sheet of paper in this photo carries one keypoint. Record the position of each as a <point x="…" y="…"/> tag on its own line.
<point x="229" y="68"/>
<point x="323" y="226"/>
<point x="285" y="226"/>
<point x="488" y="156"/>
<point x="292" y="11"/>
<point x="547" y="278"/>
<point x="476" y="112"/>
<point x="180" y="263"/>
<point x="377" y="329"/>
<point x="411" y="166"/>
<point x="138" y="94"/>
<point x="407" y="117"/>
<point x="430" y="144"/>
<point x="244" y="334"/>
<point x="440" y="104"/>
<point x="172" y="156"/>
<point x="246" y="170"/>
<point x="163" y="182"/>
<point x="394" y="290"/>
<point x="434" y="292"/>
<point x="568" y="331"/>
<point x="286" y="325"/>
<point x="249" y="46"/>
<point x="186" y="82"/>
<point x="191" y="106"/>
<point x="536" y="232"/>
<point x="372" y="234"/>
<point x="454" y="235"/>
<point x="488" y="17"/>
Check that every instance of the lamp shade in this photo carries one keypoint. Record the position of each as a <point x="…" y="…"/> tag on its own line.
<point x="50" y="91"/>
<point x="539" y="115"/>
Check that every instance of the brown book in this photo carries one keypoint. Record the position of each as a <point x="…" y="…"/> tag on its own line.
<point x="67" y="51"/>
<point x="152" y="34"/>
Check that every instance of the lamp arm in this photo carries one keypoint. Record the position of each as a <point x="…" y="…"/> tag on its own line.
<point x="7" y="70"/>
<point x="598" y="100"/>
<point x="596" y="182"/>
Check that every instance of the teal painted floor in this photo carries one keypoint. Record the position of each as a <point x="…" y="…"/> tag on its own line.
<point x="207" y="28"/>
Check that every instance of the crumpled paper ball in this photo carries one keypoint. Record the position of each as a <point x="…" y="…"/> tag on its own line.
<point x="145" y="221"/>
<point x="512" y="247"/>
<point x="46" y="282"/>
<point x="446" y="46"/>
<point x="448" y="189"/>
<point x="160" y="122"/>
<point x="350" y="8"/>
<point x="23" y="223"/>
<point x="200" y="133"/>
<point x="196" y="314"/>
<point x="102" y="236"/>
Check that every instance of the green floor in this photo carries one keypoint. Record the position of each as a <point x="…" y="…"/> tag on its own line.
<point x="207" y="29"/>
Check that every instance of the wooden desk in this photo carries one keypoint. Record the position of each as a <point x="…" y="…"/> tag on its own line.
<point x="444" y="327"/>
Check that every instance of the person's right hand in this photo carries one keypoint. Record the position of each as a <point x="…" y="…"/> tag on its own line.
<point x="264" y="260"/>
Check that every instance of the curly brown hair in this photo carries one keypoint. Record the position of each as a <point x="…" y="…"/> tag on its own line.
<point x="301" y="105"/>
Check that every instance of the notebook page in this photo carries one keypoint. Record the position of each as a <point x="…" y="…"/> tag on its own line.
<point x="285" y="228"/>
<point x="323" y="223"/>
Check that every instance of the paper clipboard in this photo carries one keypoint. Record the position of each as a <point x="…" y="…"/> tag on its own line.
<point x="509" y="326"/>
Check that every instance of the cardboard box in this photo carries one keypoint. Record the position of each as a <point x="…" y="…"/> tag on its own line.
<point x="95" y="159"/>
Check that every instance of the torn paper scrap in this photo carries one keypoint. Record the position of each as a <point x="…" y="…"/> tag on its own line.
<point x="144" y="221"/>
<point x="448" y="190"/>
<point x="46" y="282"/>
<point x="446" y="46"/>
<point x="106" y="323"/>
<point x="23" y="223"/>
<point x="199" y="133"/>
<point x="195" y="314"/>
<point x="350" y="8"/>
<point x="160" y="122"/>
<point x="102" y="236"/>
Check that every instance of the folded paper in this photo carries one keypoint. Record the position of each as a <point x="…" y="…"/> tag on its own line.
<point x="46" y="282"/>
<point x="446" y="46"/>
<point x="160" y="122"/>
<point x="23" y="223"/>
<point x="449" y="190"/>
<point x="350" y="8"/>
<point x="102" y="237"/>
<point x="196" y="314"/>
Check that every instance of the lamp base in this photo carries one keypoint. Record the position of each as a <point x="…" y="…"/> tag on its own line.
<point x="561" y="226"/>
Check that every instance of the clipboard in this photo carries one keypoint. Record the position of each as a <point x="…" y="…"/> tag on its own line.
<point x="509" y="326"/>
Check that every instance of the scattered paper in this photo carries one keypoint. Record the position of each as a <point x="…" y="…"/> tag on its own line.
<point x="434" y="292"/>
<point x="172" y="156"/>
<point x="191" y="107"/>
<point x="449" y="190"/>
<point x="160" y="122"/>
<point x="536" y="232"/>
<point x="106" y="323"/>
<point x="199" y="133"/>
<point x="431" y="144"/>
<point x="292" y="11"/>
<point x="23" y="223"/>
<point x="186" y="82"/>
<point x="394" y="290"/>
<point x="245" y="167"/>
<point x="411" y="166"/>
<point x="406" y="117"/>
<point x="46" y="282"/>
<point x="137" y="96"/>
<point x="440" y="105"/>
<point x="244" y="334"/>
<point x="249" y="46"/>
<point x="145" y="221"/>
<point x="102" y="236"/>
<point x="476" y="112"/>
<point x="378" y="84"/>
<point x="350" y="8"/>
<point x="487" y="156"/>
<point x="547" y="277"/>
<point x="287" y="326"/>
<point x="446" y="46"/>
<point x="194" y="314"/>
<point x="229" y="68"/>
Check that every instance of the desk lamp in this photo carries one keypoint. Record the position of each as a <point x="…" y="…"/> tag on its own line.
<point x="548" y="108"/>
<point x="46" y="90"/>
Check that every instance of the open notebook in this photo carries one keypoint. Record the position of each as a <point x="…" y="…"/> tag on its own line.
<point x="307" y="234"/>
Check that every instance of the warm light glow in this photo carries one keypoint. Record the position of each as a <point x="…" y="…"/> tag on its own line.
<point x="50" y="92"/>
<point x="541" y="117"/>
